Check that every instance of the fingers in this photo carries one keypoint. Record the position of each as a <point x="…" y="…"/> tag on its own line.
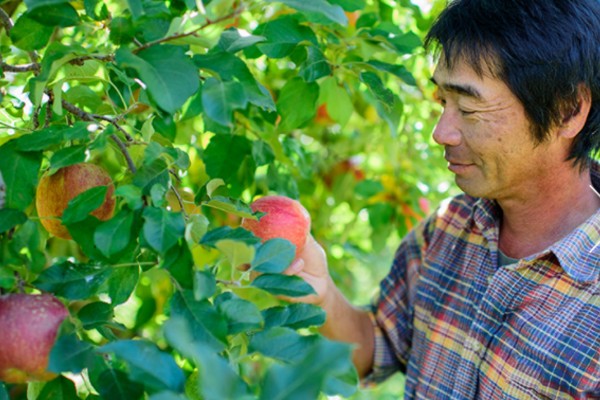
<point x="295" y="267"/>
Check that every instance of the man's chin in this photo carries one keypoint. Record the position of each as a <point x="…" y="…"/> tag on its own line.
<point x="471" y="187"/>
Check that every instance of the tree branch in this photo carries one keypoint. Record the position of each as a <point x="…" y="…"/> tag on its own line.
<point x="85" y="116"/>
<point x="33" y="67"/>
<point x="6" y="21"/>
<point x="126" y="154"/>
<point x="176" y="36"/>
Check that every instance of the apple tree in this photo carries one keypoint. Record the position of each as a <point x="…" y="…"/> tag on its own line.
<point x="195" y="108"/>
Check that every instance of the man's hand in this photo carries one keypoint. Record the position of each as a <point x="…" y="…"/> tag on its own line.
<point x="311" y="265"/>
<point x="344" y="322"/>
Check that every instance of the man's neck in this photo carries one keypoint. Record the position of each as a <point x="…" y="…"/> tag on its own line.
<point x="547" y="213"/>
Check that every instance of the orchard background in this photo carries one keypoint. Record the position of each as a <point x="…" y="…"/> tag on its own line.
<point x="195" y="108"/>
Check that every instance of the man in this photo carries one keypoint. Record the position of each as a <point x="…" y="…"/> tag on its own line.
<point x="497" y="295"/>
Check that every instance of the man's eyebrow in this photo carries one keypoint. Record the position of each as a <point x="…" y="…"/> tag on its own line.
<point x="465" y="90"/>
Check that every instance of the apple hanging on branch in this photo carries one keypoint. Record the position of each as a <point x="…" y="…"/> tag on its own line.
<point x="28" y="327"/>
<point x="55" y="191"/>
<point x="284" y="218"/>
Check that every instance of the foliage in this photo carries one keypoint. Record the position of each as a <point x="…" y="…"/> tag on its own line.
<point x="195" y="108"/>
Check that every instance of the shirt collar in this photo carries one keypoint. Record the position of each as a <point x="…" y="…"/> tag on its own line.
<point x="578" y="253"/>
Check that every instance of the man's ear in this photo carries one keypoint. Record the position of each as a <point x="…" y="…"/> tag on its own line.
<point x="574" y="120"/>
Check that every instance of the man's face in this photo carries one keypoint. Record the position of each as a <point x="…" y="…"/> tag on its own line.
<point x="487" y="136"/>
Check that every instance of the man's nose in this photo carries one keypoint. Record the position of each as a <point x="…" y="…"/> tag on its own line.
<point x="447" y="131"/>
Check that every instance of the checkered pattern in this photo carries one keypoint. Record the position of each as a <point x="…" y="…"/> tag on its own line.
<point x="462" y="328"/>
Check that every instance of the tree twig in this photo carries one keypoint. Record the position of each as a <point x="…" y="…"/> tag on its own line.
<point x="180" y="201"/>
<point x="125" y="152"/>
<point x="6" y="21"/>
<point x="176" y="36"/>
<point x="85" y="116"/>
<point x="32" y="67"/>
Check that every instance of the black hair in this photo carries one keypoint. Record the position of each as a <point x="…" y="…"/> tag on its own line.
<point x="544" y="50"/>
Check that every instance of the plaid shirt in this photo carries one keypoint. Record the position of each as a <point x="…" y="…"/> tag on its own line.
<point x="462" y="328"/>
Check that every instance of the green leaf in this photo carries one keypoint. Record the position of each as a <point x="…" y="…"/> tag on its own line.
<point x="78" y="131"/>
<point x="7" y="278"/>
<point x="96" y="9"/>
<point x="136" y="7"/>
<point x="332" y="12"/>
<point x="349" y="5"/>
<point x="42" y="139"/>
<point x="207" y="325"/>
<point x="73" y="281"/>
<point x="9" y="218"/>
<point x="407" y="43"/>
<point x="155" y="369"/>
<point x="391" y="113"/>
<point x="241" y="315"/>
<point x="33" y="4"/>
<point x="225" y="232"/>
<point x="166" y="395"/>
<point x="220" y="99"/>
<point x="205" y="285"/>
<point x="69" y="354"/>
<point x="238" y="253"/>
<point x="286" y="285"/>
<point x="114" y="235"/>
<point x="114" y="385"/>
<point x="68" y="156"/>
<point x="3" y="392"/>
<point x="132" y="196"/>
<point x="283" y="36"/>
<point x="338" y="101"/>
<point x="82" y="232"/>
<point x="20" y="174"/>
<point x="216" y="378"/>
<point x="273" y="256"/>
<point x="306" y="379"/>
<point x="262" y="153"/>
<point x="59" y="389"/>
<point x="297" y="103"/>
<point x="282" y="344"/>
<point x="225" y="154"/>
<point x="83" y="204"/>
<point x="230" y="205"/>
<point x="30" y="35"/>
<point x="151" y="174"/>
<point x="315" y="66"/>
<point x="231" y="41"/>
<point x="122" y="282"/>
<point x="179" y="262"/>
<point x="169" y="74"/>
<point x="61" y="15"/>
<point x="383" y="94"/>
<point x="396" y="69"/>
<point x="122" y="30"/>
<point x="295" y="316"/>
<point x="162" y="229"/>
<point x="95" y="314"/>
<point x="196" y="227"/>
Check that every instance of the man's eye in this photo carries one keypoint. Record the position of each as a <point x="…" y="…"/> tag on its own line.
<point x="465" y="112"/>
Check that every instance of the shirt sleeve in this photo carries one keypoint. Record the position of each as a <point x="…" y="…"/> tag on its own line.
<point x="391" y="309"/>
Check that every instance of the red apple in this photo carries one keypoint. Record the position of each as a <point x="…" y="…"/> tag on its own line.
<point x="28" y="326"/>
<point x="284" y="218"/>
<point x="55" y="191"/>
